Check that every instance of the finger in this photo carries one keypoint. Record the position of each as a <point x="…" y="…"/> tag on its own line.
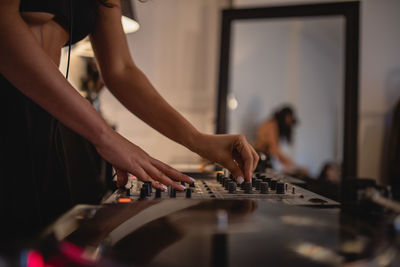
<point x="172" y="173"/>
<point x="156" y="174"/>
<point x="236" y="172"/>
<point x="255" y="156"/>
<point x="157" y="185"/>
<point x="246" y="155"/>
<point x="122" y="177"/>
<point x="143" y="176"/>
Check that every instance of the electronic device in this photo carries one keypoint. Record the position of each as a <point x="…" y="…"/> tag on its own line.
<point x="218" y="226"/>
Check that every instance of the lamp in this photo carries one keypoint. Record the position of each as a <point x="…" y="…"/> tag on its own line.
<point x="129" y="20"/>
<point x="129" y="24"/>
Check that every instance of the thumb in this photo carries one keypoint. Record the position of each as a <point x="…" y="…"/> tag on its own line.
<point x="122" y="177"/>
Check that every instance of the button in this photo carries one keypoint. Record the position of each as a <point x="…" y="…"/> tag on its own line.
<point x="232" y="187"/>
<point x="188" y="193"/>
<point x="248" y="188"/>
<point x="280" y="188"/>
<point x="264" y="188"/>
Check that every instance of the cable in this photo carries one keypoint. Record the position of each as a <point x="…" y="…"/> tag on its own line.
<point x="70" y="39"/>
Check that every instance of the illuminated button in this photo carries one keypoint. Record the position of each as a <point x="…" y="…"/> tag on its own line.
<point x="124" y="200"/>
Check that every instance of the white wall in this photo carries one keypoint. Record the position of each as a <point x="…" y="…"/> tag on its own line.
<point x="177" y="48"/>
<point x="379" y="74"/>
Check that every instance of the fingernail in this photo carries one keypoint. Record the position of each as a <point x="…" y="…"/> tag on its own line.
<point x="192" y="179"/>
<point x="240" y="180"/>
<point x="164" y="188"/>
<point x="182" y="187"/>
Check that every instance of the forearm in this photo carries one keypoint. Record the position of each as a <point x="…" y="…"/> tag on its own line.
<point x="35" y="75"/>
<point x="135" y="92"/>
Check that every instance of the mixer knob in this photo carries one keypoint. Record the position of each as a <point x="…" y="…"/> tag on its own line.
<point x="128" y="192"/>
<point x="143" y="192"/>
<point x="192" y="185"/>
<point x="188" y="193"/>
<point x="219" y="176"/>
<point x="232" y="187"/>
<point x="280" y="188"/>
<point x="248" y="187"/>
<point x="264" y="188"/>
<point x="172" y="193"/>
<point x="183" y="183"/>
<point x="268" y="180"/>
<point x="286" y="187"/>
<point x="293" y="190"/>
<point x="273" y="184"/>
<point x="158" y="193"/>
<point x="253" y="180"/>
<point x="149" y="187"/>
<point x="257" y="184"/>
<point x="242" y="186"/>
<point x="226" y="183"/>
<point x="223" y="181"/>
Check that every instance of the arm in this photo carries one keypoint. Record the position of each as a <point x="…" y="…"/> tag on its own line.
<point x="22" y="56"/>
<point x="136" y="93"/>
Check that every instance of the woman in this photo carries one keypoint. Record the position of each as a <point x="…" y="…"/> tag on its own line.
<point x="272" y="131"/>
<point x="34" y="190"/>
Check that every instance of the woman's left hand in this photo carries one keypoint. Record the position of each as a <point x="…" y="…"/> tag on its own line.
<point x="231" y="151"/>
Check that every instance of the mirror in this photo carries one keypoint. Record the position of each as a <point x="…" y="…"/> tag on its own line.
<point x="302" y="59"/>
<point x="296" y="61"/>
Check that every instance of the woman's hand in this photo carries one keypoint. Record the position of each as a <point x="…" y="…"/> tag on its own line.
<point x="231" y="151"/>
<point x="129" y="158"/>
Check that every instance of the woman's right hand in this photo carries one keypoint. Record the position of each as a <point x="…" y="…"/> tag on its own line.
<point x="129" y="158"/>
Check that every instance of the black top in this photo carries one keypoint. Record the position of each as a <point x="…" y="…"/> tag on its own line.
<point x="82" y="12"/>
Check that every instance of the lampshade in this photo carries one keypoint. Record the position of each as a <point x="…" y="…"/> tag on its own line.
<point x="129" y="24"/>
<point x="129" y="20"/>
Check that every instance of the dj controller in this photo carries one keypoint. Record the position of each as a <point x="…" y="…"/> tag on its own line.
<point x="270" y="186"/>
<point x="270" y="221"/>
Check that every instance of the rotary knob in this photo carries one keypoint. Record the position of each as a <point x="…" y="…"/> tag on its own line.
<point x="188" y="193"/>
<point x="172" y="193"/>
<point x="280" y="188"/>
<point x="257" y="184"/>
<point x="273" y="184"/>
<point x="264" y="188"/>
<point x="248" y="188"/>
<point x="158" y="193"/>
<point x="143" y="192"/>
<point x="232" y="187"/>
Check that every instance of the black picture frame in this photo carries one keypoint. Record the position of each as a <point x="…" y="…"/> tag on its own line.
<point x="350" y="12"/>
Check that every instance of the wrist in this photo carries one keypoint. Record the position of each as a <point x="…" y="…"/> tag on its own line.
<point x="196" y="142"/>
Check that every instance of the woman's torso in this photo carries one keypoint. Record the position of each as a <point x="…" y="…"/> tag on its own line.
<point x="265" y="136"/>
<point x="50" y="21"/>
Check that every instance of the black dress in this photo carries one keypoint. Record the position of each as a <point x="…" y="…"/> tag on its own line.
<point x="45" y="168"/>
